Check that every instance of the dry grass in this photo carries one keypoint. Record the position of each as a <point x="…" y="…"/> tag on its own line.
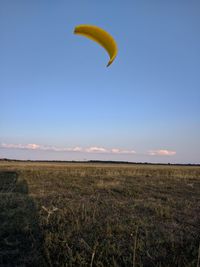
<point x="57" y="214"/>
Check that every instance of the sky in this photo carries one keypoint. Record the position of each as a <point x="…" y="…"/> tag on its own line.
<point x="59" y="101"/>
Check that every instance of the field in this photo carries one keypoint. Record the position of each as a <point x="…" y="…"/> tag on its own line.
<point x="73" y="214"/>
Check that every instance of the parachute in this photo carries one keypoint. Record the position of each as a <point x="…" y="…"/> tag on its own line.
<point x="101" y="37"/>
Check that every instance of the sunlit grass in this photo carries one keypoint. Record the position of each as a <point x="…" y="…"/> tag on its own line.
<point x="99" y="215"/>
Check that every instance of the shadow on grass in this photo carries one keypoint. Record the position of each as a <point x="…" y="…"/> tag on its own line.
<point x="21" y="241"/>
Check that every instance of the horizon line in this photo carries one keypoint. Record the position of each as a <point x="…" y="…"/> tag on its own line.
<point x="102" y="161"/>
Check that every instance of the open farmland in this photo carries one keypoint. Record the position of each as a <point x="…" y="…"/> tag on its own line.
<point x="73" y="214"/>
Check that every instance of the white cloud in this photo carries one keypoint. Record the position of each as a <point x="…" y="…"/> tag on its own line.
<point x="93" y="149"/>
<point x="115" y="150"/>
<point x="20" y="146"/>
<point x="121" y="151"/>
<point x="128" y="151"/>
<point x="77" y="149"/>
<point x="32" y="146"/>
<point x="162" y="152"/>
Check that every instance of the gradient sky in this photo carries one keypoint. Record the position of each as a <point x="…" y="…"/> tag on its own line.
<point x="59" y="101"/>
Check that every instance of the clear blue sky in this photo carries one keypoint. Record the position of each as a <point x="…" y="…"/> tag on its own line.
<point x="59" y="101"/>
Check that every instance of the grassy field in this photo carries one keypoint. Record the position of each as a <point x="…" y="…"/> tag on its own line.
<point x="65" y="214"/>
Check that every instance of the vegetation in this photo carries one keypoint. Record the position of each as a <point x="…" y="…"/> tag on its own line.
<point x="93" y="214"/>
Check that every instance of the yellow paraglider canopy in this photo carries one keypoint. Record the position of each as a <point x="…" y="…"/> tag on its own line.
<point x="101" y="37"/>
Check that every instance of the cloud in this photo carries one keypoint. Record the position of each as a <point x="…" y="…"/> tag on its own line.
<point x="32" y="146"/>
<point x="20" y="146"/>
<point x="161" y="152"/>
<point x="121" y="151"/>
<point x="93" y="149"/>
<point x="77" y="149"/>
